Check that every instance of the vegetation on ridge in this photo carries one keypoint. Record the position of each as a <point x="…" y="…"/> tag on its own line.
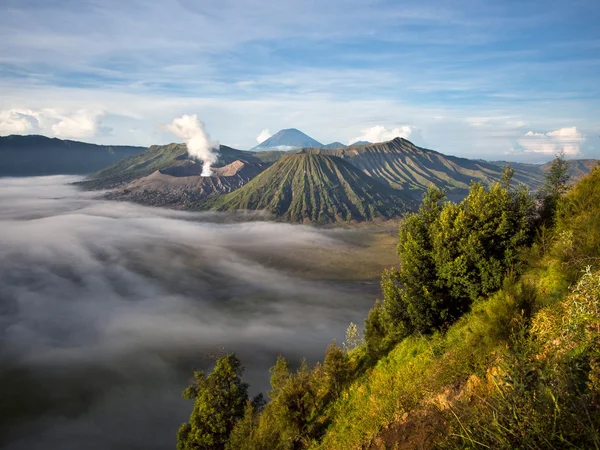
<point x="519" y="369"/>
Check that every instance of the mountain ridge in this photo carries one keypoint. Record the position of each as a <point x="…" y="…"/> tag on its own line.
<point x="37" y="155"/>
<point x="404" y="169"/>
<point x="405" y="166"/>
<point x="157" y="157"/>
<point x="314" y="188"/>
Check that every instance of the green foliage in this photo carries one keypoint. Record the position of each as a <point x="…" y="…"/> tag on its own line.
<point x="578" y="225"/>
<point x="353" y="338"/>
<point x="296" y="416"/>
<point x="337" y="368"/>
<point x="555" y="186"/>
<point x="451" y="254"/>
<point x="219" y="401"/>
<point x="557" y="178"/>
<point x="507" y="174"/>
<point x="280" y="374"/>
<point x="244" y="429"/>
<point x="422" y="368"/>
<point x="376" y="333"/>
<point x="519" y="369"/>
<point x="292" y="419"/>
<point x="544" y="392"/>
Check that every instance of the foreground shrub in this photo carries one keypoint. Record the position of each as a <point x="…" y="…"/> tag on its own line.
<point x="545" y="391"/>
<point x="450" y="255"/>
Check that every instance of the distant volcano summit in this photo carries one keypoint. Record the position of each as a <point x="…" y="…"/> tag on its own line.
<point x="289" y="139"/>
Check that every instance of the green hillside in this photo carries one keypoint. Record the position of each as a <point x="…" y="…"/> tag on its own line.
<point x="403" y="165"/>
<point x="314" y="188"/>
<point x="487" y="336"/>
<point x="157" y="157"/>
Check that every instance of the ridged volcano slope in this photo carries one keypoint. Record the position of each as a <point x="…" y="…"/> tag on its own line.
<point x="403" y="165"/>
<point x="314" y="188"/>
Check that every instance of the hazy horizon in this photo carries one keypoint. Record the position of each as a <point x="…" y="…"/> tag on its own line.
<point x="536" y="159"/>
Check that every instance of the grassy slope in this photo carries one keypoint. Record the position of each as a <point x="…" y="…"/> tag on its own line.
<point x="155" y="158"/>
<point x="403" y="165"/>
<point x="315" y="188"/>
<point x="471" y="387"/>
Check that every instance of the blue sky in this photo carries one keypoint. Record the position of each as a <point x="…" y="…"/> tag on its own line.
<point x="482" y="79"/>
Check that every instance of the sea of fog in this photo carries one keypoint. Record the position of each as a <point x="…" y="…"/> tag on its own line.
<point x="106" y="308"/>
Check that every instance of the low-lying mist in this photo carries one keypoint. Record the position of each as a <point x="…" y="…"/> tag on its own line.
<point x="106" y="308"/>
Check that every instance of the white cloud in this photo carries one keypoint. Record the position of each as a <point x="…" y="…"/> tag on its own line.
<point x="567" y="140"/>
<point x="78" y="124"/>
<point x="263" y="136"/>
<point x="379" y="133"/>
<point x="15" y="121"/>
<point x="499" y="123"/>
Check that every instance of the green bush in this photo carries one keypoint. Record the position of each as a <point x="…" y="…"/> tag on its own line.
<point x="545" y="391"/>
<point x="219" y="401"/>
<point x="450" y="255"/>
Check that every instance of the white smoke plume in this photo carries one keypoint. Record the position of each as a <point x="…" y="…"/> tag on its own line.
<point x="198" y="142"/>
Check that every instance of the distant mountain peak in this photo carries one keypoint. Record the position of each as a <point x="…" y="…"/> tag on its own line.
<point x="288" y="139"/>
<point x="359" y="143"/>
<point x="334" y="145"/>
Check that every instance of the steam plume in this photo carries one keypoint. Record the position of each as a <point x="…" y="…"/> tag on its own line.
<point x="198" y="142"/>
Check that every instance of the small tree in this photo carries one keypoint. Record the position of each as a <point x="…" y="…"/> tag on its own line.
<point x="280" y="374"/>
<point x="507" y="175"/>
<point x="556" y="185"/>
<point x="243" y="432"/>
<point x="558" y="177"/>
<point x="337" y="369"/>
<point x="353" y="338"/>
<point x="375" y="332"/>
<point x="219" y="401"/>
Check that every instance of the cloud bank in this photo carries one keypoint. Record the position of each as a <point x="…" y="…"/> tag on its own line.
<point x="197" y="140"/>
<point x="64" y="124"/>
<point x="379" y="133"/>
<point x="107" y="307"/>
<point x="567" y="140"/>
